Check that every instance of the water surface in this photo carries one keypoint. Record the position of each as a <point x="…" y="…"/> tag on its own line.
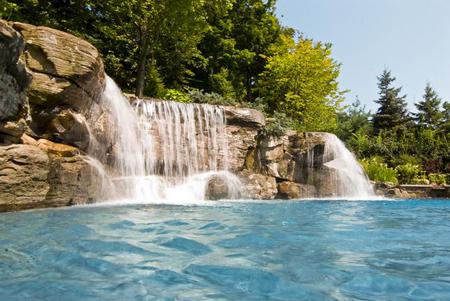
<point x="315" y="250"/>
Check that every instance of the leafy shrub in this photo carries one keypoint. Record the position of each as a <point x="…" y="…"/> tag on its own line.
<point x="406" y="159"/>
<point x="420" y="180"/>
<point x="176" y="95"/>
<point x="378" y="171"/>
<point x="199" y="96"/>
<point x="258" y="104"/>
<point x="277" y="126"/>
<point x="407" y="172"/>
<point x="438" y="178"/>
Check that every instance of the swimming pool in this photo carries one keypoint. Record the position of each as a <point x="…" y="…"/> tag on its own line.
<point x="296" y="250"/>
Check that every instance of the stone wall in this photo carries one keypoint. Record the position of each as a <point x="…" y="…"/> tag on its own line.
<point x="412" y="191"/>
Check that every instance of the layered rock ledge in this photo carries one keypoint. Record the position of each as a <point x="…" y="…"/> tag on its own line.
<point x="47" y="79"/>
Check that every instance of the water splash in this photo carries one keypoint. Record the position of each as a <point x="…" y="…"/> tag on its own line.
<point x="345" y="174"/>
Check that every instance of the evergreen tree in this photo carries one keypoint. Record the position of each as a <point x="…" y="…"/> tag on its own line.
<point x="429" y="114"/>
<point x="355" y="119"/>
<point x="445" y="125"/>
<point x="392" y="113"/>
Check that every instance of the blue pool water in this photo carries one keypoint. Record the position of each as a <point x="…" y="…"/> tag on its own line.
<point x="317" y="250"/>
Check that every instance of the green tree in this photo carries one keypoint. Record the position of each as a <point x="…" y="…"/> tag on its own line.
<point x="445" y="125"/>
<point x="429" y="113"/>
<point x="7" y="9"/>
<point x="392" y="112"/>
<point x="355" y="119"/>
<point x="301" y="81"/>
<point x="234" y="49"/>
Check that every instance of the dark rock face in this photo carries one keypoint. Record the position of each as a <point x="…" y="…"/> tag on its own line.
<point x="14" y="81"/>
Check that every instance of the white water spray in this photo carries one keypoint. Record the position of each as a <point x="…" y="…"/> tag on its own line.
<point x="163" y="151"/>
<point x="348" y="179"/>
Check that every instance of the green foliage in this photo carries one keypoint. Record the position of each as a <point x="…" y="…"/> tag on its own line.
<point x="379" y="171"/>
<point x="301" y="80"/>
<point x="421" y="179"/>
<point x="429" y="113"/>
<point x="176" y="95"/>
<point x="407" y="172"/>
<point x="406" y="159"/>
<point x="392" y="112"/>
<point x="353" y="121"/>
<point x="234" y="48"/>
<point x="7" y="9"/>
<point x="439" y="179"/>
<point x="199" y="96"/>
<point x="277" y="126"/>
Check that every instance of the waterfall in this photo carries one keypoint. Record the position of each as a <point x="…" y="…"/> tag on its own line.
<point x="161" y="151"/>
<point x="346" y="175"/>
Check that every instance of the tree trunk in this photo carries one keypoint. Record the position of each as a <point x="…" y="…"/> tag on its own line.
<point x="142" y="66"/>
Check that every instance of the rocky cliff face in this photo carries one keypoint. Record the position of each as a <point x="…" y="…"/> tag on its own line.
<point x="47" y="79"/>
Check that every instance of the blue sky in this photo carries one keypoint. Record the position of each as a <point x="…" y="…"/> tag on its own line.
<point x="410" y="37"/>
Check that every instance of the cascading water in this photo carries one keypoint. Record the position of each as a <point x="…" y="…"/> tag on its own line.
<point x="347" y="177"/>
<point x="162" y="151"/>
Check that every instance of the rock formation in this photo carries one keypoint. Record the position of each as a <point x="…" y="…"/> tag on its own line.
<point x="51" y="83"/>
<point x="47" y="79"/>
<point x="67" y="77"/>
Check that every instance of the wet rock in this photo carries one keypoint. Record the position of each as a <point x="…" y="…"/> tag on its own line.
<point x="290" y="190"/>
<point x="291" y="157"/>
<point x="23" y="177"/>
<point x="257" y="186"/>
<point x="241" y="140"/>
<point x="58" y="149"/>
<point x="217" y="189"/>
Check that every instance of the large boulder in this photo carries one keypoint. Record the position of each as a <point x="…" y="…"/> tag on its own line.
<point x="68" y="77"/>
<point x="32" y="177"/>
<point x="222" y="186"/>
<point x="244" y="117"/>
<point x="23" y="177"/>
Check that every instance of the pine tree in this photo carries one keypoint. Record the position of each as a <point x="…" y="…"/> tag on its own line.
<point x="392" y="112"/>
<point x="429" y="114"/>
<point x="445" y="124"/>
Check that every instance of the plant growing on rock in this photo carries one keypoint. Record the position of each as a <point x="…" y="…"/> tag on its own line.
<point x="277" y="125"/>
